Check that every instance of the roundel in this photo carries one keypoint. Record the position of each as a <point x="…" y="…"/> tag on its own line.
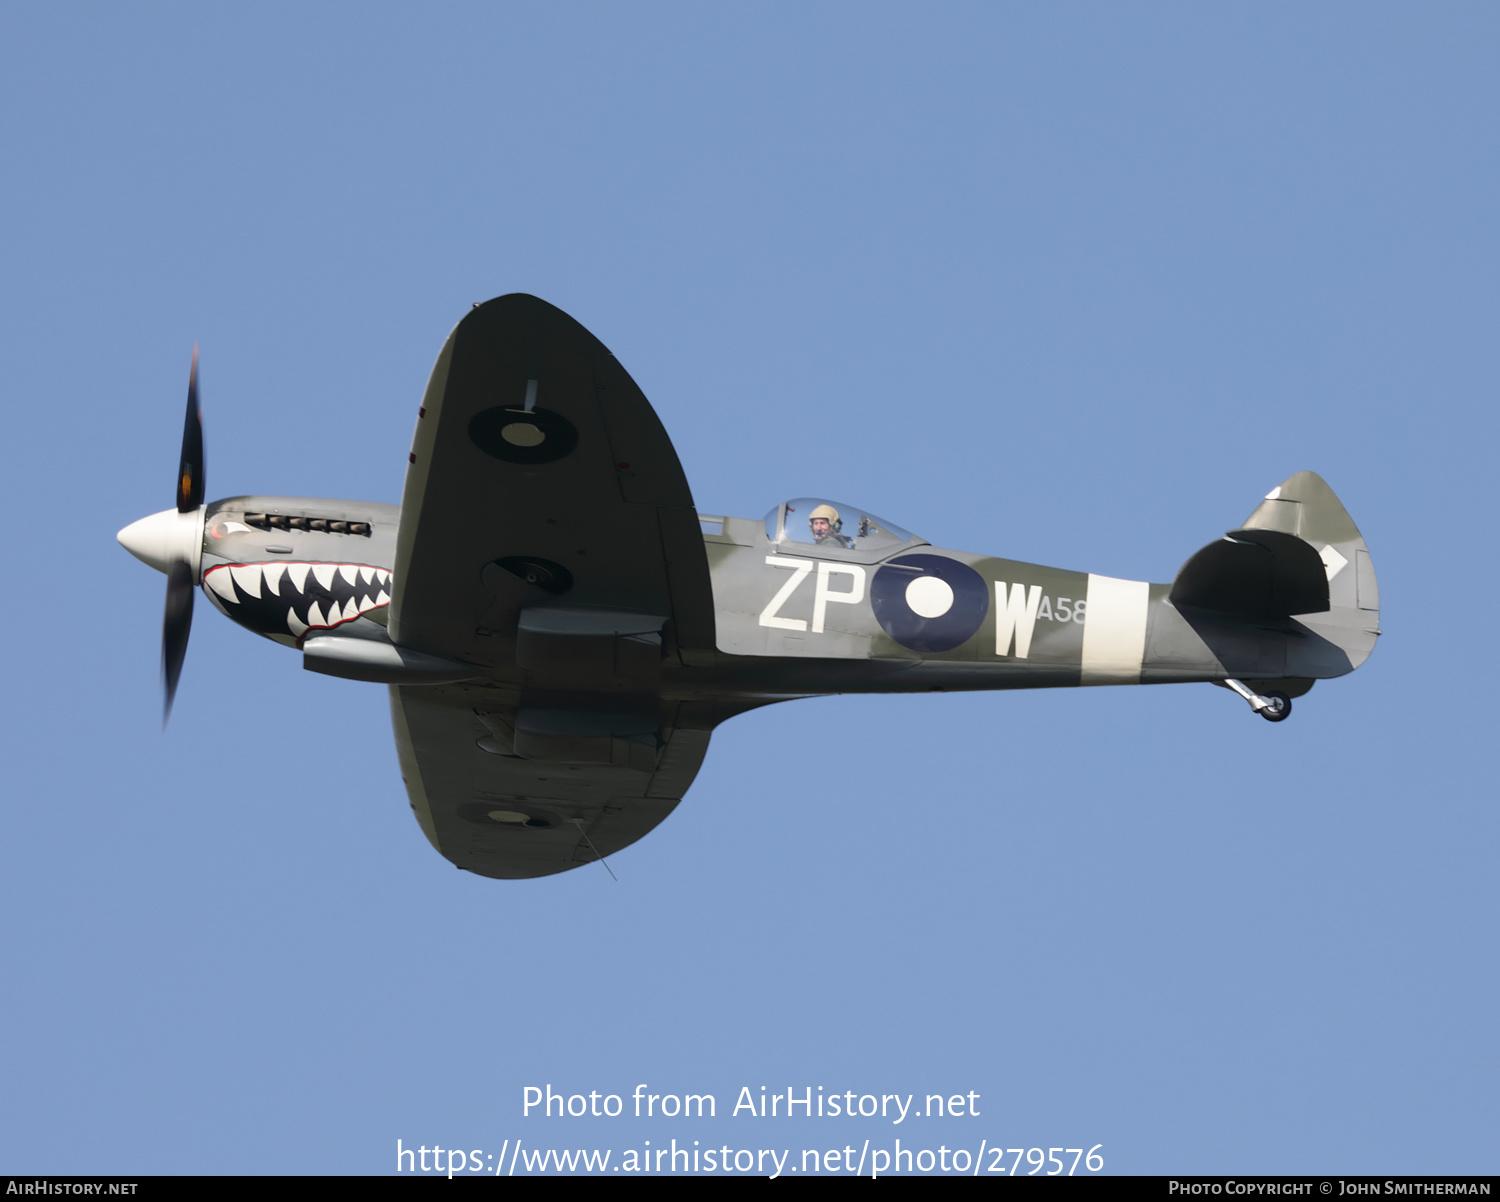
<point x="521" y="435"/>
<point x="928" y="602"/>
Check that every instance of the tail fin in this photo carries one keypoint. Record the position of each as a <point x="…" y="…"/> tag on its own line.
<point x="1289" y="597"/>
<point x="1303" y="505"/>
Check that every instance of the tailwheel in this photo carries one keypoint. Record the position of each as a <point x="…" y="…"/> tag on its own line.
<point x="1273" y="706"/>
<point x="1279" y="708"/>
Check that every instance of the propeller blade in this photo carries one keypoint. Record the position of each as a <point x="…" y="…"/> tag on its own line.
<point x="177" y="621"/>
<point x="190" y="469"/>
<point x="176" y="624"/>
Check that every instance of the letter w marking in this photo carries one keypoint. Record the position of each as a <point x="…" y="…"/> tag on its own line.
<point x="1015" y="616"/>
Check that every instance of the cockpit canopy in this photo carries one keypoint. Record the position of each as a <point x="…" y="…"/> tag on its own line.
<point x="832" y="525"/>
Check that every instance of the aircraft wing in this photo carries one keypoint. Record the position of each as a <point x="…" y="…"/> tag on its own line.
<point x="508" y="817"/>
<point x="547" y="537"/>
<point x="533" y="444"/>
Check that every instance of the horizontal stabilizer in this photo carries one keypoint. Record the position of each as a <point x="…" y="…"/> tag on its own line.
<point x="1254" y="574"/>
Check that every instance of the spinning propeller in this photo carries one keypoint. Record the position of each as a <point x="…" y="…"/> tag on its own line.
<point x="182" y="576"/>
<point x="172" y="542"/>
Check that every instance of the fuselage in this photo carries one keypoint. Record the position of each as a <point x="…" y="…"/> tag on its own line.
<point x="795" y="616"/>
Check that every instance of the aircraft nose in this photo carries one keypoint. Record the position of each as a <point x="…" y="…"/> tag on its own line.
<point x="160" y="539"/>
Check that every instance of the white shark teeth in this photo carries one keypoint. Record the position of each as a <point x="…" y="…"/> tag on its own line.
<point x="243" y="585"/>
<point x="247" y="576"/>
<point x="219" y="580"/>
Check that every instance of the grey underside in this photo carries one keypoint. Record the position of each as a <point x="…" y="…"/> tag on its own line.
<point x="592" y="809"/>
<point x="577" y="732"/>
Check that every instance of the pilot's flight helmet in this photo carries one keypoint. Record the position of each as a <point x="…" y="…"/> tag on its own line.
<point x="825" y="511"/>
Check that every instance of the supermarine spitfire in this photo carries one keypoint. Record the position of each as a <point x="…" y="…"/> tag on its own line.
<point x="561" y="629"/>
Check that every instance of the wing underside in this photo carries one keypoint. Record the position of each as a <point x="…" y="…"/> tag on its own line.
<point x="549" y="539"/>
<point x="502" y="815"/>
<point x="535" y="447"/>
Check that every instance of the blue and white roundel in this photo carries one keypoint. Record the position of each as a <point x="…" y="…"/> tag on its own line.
<point x="928" y="602"/>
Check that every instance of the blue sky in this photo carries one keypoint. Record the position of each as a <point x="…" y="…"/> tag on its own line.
<point x="1073" y="284"/>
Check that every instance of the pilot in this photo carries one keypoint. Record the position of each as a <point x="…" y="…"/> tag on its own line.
<point x="825" y="523"/>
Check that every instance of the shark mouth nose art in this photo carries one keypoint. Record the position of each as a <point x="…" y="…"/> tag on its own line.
<point x="281" y="598"/>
